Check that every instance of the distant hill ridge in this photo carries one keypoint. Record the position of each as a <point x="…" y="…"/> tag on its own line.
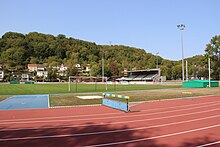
<point x="17" y="50"/>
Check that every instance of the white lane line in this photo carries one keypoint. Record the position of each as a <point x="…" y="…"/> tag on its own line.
<point x="111" y="117"/>
<point x="11" y="120"/>
<point x="212" y="143"/>
<point x="172" y="99"/>
<point x="155" y="137"/>
<point x="106" y="132"/>
<point x="113" y="123"/>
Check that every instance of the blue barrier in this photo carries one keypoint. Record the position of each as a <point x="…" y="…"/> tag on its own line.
<point x="124" y="106"/>
<point x="115" y="104"/>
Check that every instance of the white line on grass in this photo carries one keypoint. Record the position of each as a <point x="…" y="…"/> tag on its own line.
<point x="76" y="106"/>
<point x="48" y="100"/>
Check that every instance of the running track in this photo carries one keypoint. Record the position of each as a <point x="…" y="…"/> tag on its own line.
<point x="183" y="123"/>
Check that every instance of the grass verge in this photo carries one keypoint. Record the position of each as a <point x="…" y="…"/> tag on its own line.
<point x="23" y="89"/>
<point x="71" y="99"/>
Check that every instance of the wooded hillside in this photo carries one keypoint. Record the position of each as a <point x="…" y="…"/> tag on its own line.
<point x="17" y="50"/>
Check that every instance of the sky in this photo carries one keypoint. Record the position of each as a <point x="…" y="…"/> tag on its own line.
<point x="147" y="24"/>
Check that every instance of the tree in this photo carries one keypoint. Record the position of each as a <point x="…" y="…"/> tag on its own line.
<point x="176" y="71"/>
<point x="96" y="70"/>
<point x="52" y="75"/>
<point x="113" y="68"/>
<point x="213" y="51"/>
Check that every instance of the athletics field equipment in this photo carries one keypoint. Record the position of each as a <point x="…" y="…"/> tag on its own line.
<point x="124" y="106"/>
<point x="20" y="102"/>
<point x="199" y="84"/>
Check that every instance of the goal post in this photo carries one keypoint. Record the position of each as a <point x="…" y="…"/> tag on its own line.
<point x="87" y="80"/>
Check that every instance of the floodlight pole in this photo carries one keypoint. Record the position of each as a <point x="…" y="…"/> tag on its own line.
<point x="209" y="72"/>
<point x="102" y="65"/>
<point x="187" y="71"/>
<point x="157" y="59"/>
<point x="181" y="27"/>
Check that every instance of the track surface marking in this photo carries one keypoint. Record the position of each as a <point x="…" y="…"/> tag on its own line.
<point x="183" y="122"/>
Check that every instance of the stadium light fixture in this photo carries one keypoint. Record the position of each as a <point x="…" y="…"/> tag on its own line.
<point x="182" y="27"/>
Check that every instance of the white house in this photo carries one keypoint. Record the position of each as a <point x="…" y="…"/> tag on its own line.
<point x="42" y="74"/>
<point x="77" y="66"/>
<point x="25" y="77"/>
<point x="36" y="67"/>
<point x="63" y="68"/>
<point x="1" y="75"/>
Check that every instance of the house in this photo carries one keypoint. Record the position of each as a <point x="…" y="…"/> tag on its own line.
<point x="1" y="75"/>
<point x="26" y="77"/>
<point x="78" y="66"/>
<point x="36" y="67"/>
<point x="62" y="70"/>
<point x="42" y="74"/>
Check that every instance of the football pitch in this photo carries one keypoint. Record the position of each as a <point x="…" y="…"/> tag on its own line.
<point x="23" y="89"/>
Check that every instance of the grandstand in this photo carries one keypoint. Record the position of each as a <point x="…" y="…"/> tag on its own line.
<point x="141" y="76"/>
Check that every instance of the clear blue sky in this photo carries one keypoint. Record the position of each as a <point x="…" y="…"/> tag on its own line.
<point x="146" y="24"/>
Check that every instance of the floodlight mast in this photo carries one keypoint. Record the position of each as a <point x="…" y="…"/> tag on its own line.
<point x="157" y="59"/>
<point x="103" y="65"/>
<point x="181" y="27"/>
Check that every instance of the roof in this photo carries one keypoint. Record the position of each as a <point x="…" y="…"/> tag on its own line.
<point x="34" y="65"/>
<point x="156" y="69"/>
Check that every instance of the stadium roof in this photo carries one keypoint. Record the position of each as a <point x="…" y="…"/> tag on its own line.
<point x="145" y="70"/>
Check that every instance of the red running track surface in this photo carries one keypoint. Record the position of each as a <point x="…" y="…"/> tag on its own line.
<point x="170" y="123"/>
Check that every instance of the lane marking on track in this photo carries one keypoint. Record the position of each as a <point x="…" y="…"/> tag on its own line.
<point x="173" y="99"/>
<point x="113" y="123"/>
<point x="212" y="143"/>
<point x="155" y="137"/>
<point x="14" y="120"/>
<point x="115" y="131"/>
<point x="111" y="117"/>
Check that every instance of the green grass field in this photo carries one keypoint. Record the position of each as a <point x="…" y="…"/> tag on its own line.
<point x="24" y="89"/>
